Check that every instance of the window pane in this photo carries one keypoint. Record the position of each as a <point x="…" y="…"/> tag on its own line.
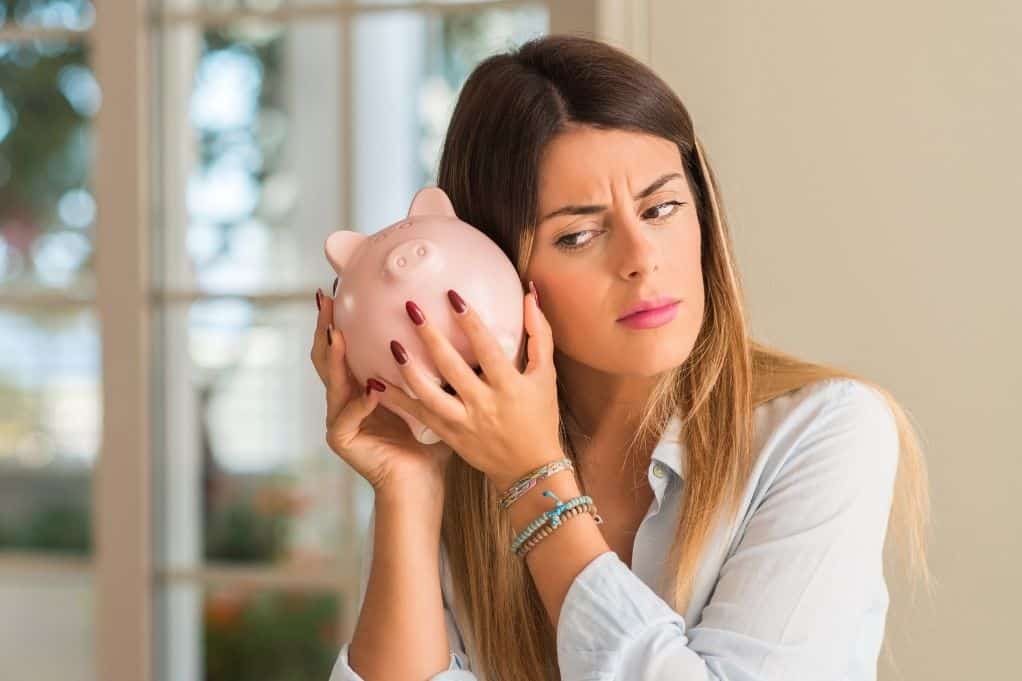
<point x="48" y="97"/>
<point x="246" y="634"/>
<point x="49" y="428"/>
<point x="248" y="477"/>
<point x="46" y="624"/>
<point x="250" y="151"/>
<point x="77" y="15"/>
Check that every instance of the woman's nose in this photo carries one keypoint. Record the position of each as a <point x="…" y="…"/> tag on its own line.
<point x="639" y="253"/>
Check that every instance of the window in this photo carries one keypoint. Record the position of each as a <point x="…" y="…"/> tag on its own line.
<point x="168" y="174"/>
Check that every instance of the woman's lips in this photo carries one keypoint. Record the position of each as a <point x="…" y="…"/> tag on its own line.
<point x="649" y="319"/>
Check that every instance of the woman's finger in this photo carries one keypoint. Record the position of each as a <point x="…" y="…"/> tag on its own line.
<point x="395" y="397"/>
<point x="452" y="366"/>
<point x="499" y="370"/>
<point x="426" y="387"/>
<point x="541" y="343"/>
<point x="339" y="386"/>
<point x="345" y="427"/>
<point x="324" y="316"/>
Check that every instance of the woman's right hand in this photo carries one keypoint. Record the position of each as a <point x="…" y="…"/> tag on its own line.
<point x="377" y="443"/>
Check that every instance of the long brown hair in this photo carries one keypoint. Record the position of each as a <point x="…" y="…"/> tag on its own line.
<point x="509" y="109"/>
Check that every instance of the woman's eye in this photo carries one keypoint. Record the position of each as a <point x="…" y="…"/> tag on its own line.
<point x="661" y="205"/>
<point x="566" y="245"/>
<point x="561" y="243"/>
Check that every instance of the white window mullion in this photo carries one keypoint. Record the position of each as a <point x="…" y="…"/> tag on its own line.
<point x="178" y="456"/>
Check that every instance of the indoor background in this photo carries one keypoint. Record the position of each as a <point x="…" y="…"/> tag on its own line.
<point x="169" y="171"/>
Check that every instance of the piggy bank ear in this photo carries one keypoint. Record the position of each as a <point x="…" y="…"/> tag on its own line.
<point x="431" y="201"/>
<point x="340" y="246"/>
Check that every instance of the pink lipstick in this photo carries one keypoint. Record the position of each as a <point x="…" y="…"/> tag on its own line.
<point x="652" y="318"/>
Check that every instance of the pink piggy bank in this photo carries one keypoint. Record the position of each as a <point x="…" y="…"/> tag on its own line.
<point x="419" y="258"/>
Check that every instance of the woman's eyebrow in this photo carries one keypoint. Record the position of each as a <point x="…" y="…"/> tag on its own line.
<point x="590" y="210"/>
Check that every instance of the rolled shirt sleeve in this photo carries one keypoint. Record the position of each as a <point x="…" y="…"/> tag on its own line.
<point x="791" y="600"/>
<point x="459" y="666"/>
<point x="343" y="672"/>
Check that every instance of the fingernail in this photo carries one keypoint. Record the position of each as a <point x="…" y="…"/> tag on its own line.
<point x="318" y="294"/>
<point x="399" y="352"/>
<point x="456" y="301"/>
<point x="373" y="384"/>
<point x="329" y="335"/>
<point x="334" y="292"/>
<point x="535" y="293"/>
<point x="415" y="313"/>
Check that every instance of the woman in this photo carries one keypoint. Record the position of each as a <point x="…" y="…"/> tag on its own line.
<point x="740" y="496"/>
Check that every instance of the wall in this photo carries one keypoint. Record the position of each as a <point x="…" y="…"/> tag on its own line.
<point x="870" y="159"/>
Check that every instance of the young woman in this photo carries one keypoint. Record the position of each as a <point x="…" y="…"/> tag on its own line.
<point x="729" y="503"/>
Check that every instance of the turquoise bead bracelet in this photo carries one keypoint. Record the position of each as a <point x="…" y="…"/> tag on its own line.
<point x="552" y="516"/>
<point x="545" y="531"/>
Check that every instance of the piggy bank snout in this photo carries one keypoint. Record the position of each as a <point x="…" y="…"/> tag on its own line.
<point x="414" y="257"/>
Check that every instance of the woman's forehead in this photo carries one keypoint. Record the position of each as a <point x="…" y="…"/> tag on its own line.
<point x="580" y="167"/>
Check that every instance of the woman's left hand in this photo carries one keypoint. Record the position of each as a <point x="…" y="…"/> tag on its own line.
<point x="504" y="422"/>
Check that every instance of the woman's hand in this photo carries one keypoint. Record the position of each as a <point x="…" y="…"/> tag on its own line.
<point x="503" y="422"/>
<point x="375" y="442"/>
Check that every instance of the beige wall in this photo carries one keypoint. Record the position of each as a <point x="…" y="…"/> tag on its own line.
<point x="871" y="161"/>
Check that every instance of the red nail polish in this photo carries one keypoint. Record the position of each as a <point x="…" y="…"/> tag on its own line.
<point x="378" y="386"/>
<point x="319" y="306"/>
<point x="415" y="313"/>
<point x="456" y="301"/>
<point x="399" y="353"/>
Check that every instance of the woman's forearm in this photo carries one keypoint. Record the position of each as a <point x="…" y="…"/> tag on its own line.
<point x="400" y="632"/>
<point x="558" y="558"/>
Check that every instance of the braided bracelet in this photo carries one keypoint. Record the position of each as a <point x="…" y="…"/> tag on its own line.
<point x="529" y="480"/>
<point x="548" y="530"/>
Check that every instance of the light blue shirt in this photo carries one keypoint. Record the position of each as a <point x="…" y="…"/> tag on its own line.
<point x="794" y="589"/>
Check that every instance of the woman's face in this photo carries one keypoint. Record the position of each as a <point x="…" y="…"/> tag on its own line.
<point x="619" y="234"/>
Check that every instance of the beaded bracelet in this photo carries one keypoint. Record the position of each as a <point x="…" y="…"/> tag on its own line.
<point x="552" y="516"/>
<point x="529" y="480"/>
<point x="548" y="530"/>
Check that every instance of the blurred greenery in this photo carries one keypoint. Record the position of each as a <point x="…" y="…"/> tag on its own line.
<point x="65" y="528"/>
<point x="270" y="636"/>
<point x="48" y="96"/>
<point x="47" y="147"/>
<point x="240" y="532"/>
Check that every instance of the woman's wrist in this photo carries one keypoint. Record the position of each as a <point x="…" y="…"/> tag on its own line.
<point x="421" y="495"/>
<point x="533" y="504"/>
<point x="502" y="482"/>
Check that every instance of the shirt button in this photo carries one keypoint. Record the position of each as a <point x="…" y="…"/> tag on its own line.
<point x="658" y="470"/>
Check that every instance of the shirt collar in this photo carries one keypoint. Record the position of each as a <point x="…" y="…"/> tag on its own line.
<point x="669" y="450"/>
